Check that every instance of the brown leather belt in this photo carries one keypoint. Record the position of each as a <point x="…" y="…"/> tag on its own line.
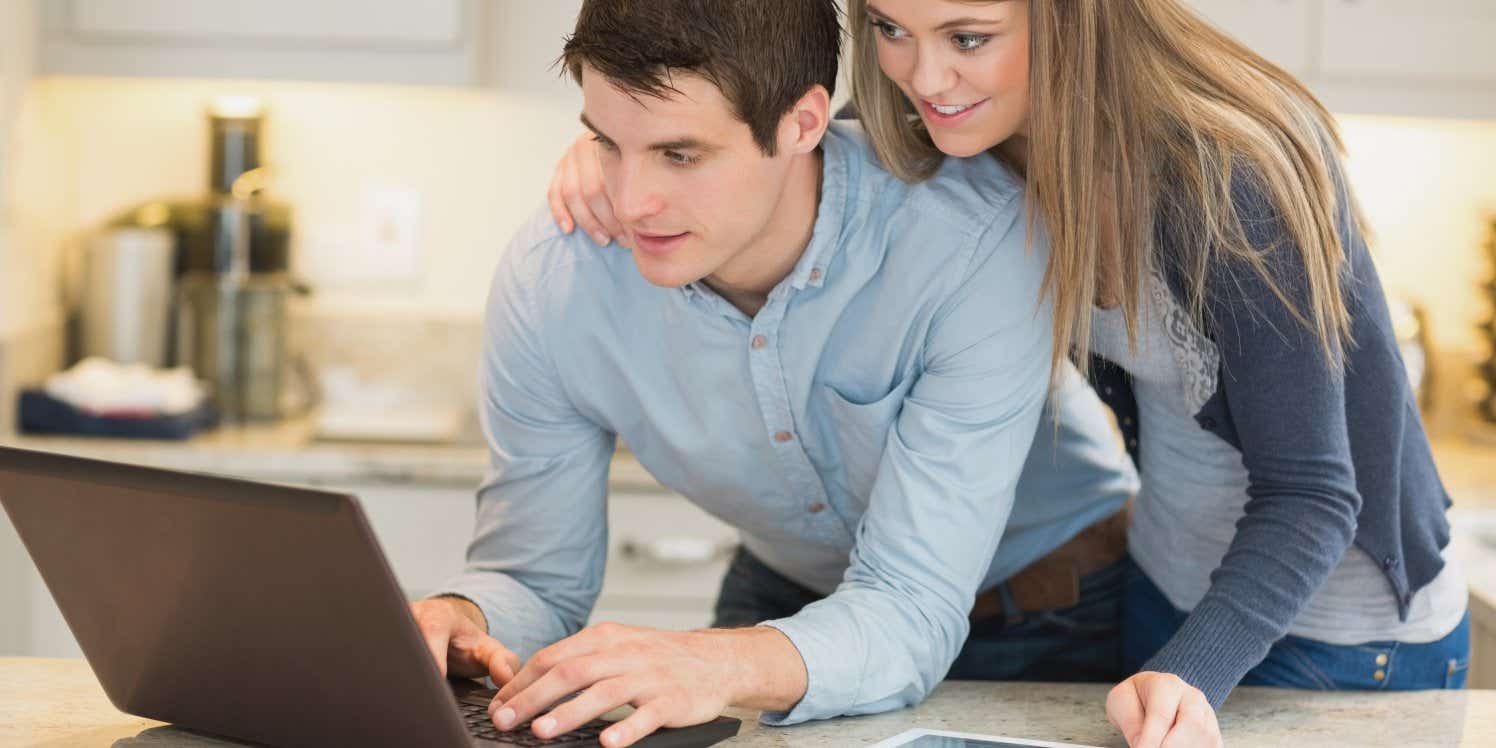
<point x="1053" y="582"/>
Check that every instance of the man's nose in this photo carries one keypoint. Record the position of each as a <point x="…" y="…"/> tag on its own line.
<point x="636" y="196"/>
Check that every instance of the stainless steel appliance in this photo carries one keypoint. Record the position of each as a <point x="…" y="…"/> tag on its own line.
<point x="127" y="295"/>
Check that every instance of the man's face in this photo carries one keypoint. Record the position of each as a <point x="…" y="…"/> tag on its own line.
<point x="692" y="189"/>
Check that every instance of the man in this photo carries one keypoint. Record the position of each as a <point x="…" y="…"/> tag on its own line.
<point x="849" y="369"/>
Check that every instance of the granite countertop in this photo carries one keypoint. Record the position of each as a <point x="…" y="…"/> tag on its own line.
<point x="288" y="451"/>
<point x="58" y="704"/>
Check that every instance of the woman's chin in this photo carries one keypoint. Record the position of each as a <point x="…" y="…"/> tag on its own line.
<point x="963" y="147"/>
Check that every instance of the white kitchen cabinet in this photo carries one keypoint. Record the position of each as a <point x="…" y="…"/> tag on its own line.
<point x="1280" y="30"/>
<point x="1431" y="42"/>
<point x="665" y="559"/>
<point x="439" y="42"/>
<point x="1433" y="58"/>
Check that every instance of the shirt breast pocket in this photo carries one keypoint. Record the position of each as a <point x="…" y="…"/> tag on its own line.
<point x="858" y="434"/>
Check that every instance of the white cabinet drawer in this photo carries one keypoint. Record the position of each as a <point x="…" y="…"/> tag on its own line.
<point x="663" y="548"/>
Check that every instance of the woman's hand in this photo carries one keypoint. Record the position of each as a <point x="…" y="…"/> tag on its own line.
<point x="577" y="197"/>
<point x="1160" y="710"/>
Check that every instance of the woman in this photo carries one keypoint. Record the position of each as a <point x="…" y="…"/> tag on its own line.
<point x="1207" y="258"/>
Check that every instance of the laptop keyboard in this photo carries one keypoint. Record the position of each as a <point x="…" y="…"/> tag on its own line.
<point x="480" y="726"/>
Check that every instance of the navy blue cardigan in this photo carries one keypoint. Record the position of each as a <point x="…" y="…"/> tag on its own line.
<point x="1332" y="458"/>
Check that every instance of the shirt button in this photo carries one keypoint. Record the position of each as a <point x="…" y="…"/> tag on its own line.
<point x="816" y="508"/>
<point x="759" y="342"/>
<point x="1382" y="660"/>
<point x="815" y="274"/>
<point x="783" y="436"/>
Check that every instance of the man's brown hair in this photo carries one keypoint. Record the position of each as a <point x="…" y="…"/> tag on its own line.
<point x="764" y="55"/>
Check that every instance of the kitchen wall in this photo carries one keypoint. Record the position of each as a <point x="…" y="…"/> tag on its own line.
<point x="33" y="204"/>
<point x="1429" y="191"/>
<point x="477" y="162"/>
<point x="34" y="211"/>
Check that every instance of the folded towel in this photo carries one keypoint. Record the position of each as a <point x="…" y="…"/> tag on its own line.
<point x="103" y="387"/>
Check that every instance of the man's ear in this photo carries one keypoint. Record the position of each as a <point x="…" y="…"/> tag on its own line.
<point x="802" y="129"/>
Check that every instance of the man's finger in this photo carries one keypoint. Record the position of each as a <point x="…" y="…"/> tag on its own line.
<point x="1161" y="697"/>
<point x="495" y="658"/>
<point x="565" y="679"/>
<point x="600" y="698"/>
<point x="644" y="721"/>
<point x="586" y="642"/>
<point x="437" y="635"/>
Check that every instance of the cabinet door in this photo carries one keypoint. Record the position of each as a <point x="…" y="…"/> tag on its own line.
<point x="1280" y="30"/>
<point x="1450" y="41"/>
<point x="423" y="530"/>
<point x="378" y="41"/>
<point x="666" y="558"/>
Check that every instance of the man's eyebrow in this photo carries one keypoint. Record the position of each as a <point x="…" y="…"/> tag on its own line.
<point x="679" y="144"/>
<point x="587" y="123"/>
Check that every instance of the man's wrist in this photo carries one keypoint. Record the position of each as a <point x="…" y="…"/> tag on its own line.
<point x="767" y="672"/>
<point x="465" y="608"/>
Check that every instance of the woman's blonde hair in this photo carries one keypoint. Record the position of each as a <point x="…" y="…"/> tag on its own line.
<point x="1143" y="103"/>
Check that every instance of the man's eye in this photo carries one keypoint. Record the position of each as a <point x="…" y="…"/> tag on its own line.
<point x="605" y="144"/>
<point x="680" y="159"/>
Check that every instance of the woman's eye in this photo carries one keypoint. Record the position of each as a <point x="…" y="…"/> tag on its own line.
<point x="969" y="42"/>
<point x="888" y="30"/>
<point x="606" y="145"/>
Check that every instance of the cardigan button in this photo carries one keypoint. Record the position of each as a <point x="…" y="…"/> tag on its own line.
<point x="1389" y="562"/>
<point x="1207" y="423"/>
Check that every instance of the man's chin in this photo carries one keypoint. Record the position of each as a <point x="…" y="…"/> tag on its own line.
<point x="664" y="274"/>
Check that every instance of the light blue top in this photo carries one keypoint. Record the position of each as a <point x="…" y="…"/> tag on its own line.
<point x="870" y="449"/>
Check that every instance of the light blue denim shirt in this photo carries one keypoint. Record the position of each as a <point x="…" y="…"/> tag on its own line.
<point x="865" y="431"/>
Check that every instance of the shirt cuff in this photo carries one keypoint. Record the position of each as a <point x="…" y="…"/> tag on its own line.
<point x="831" y="685"/>
<point x="516" y="617"/>
<point x="1212" y="651"/>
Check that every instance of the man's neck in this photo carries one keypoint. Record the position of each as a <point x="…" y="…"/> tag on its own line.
<point x="774" y="254"/>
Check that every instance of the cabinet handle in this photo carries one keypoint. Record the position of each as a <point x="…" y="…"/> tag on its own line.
<point x="677" y="551"/>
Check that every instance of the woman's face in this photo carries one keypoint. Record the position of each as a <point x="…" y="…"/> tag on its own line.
<point x="964" y="66"/>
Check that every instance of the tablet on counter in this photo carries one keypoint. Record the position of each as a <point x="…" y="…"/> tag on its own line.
<point x="921" y="738"/>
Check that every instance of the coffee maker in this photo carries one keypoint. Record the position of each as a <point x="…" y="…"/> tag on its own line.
<point x="233" y="282"/>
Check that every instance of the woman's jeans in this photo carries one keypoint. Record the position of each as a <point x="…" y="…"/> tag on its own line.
<point x="1149" y="620"/>
<point x="1080" y="643"/>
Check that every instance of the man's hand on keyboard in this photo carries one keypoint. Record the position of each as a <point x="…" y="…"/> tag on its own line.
<point x="671" y="678"/>
<point x="455" y="631"/>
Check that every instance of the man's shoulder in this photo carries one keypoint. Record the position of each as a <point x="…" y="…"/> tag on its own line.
<point x="972" y="193"/>
<point x="965" y="196"/>
<point x="540" y="250"/>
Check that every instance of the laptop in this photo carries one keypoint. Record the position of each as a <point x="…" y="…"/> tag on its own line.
<point x="257" y="612"/>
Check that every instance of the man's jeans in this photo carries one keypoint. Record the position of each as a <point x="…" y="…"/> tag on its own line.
<point x="1081" y="643"/>
<point x="1295" y="662"/>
